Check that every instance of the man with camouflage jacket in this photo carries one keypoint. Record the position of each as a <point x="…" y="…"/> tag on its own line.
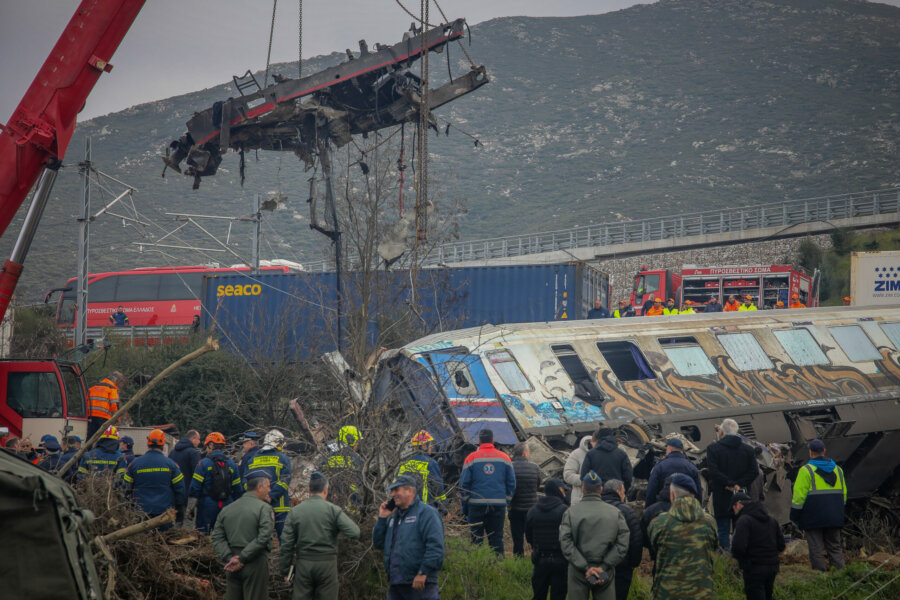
<point x="685" y="541"/>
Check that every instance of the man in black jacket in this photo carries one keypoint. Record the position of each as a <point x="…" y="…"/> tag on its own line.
<point x="528" y="480"/>
<point x="757" y="546"/>
<point x="614" y="494"/>
<point x="606" y="459"/>
<point x="663" y="504"/>
<point x="732" y="468"/>
<point x="542" y="532"/>
<point x="186" y="456"/>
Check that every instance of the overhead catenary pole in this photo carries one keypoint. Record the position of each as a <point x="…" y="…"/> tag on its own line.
<point x="257" y="222"/>
<point x="84" y="226"/>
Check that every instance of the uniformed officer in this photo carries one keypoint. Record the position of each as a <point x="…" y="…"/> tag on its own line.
<point x="52" y="457"/>
<point x="277" y="467"/>
<point x="104" y="457"/>
<point x="250" y="445"/>
<point x="426" y="471"/>
<point x="153" y="480"/>
<point x="309" y="542"/>
<point x="215" y="484"/>
<point x="242" y="538"/>
<point x="343" y="465"/>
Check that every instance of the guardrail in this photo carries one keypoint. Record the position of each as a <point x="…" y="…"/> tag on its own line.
<point x="134" y="335"/>
<point x="777" y="214"/>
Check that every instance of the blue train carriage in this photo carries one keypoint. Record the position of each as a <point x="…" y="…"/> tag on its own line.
<point x="785" y="376"/>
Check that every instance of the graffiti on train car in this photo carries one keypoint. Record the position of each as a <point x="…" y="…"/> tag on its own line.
<point x="729" y="387"/>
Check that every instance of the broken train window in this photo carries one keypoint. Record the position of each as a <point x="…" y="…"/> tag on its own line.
<point x="687" y="356"/>
<point x="509" y="371"/>
<point x="585" y="388"/>
<point x="626" y="361"/>
<point x="461" y="378"/>
<point x="802" y="347"/>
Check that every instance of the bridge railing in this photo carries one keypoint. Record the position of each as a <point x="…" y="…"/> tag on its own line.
<point x="777" y="214"/>
<point x="134" y="335"/>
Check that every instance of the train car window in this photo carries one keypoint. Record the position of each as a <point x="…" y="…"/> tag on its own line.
<point x="802" y="347"/>
<point x="509" y="371"/>
<point x="626" y="361"/>
<point x="855" y="343"/>
<point x="180" y="286"/>
<point x="101" y="290"/>
<point x="745" y="351"/>
<point x="892" y="330"/>
<point x="585" y="388"/>
<point x="136" y="288"/>
<point x="461" y="378"/>
<point x="34" y="395"/>
<point x="687" y="356"/>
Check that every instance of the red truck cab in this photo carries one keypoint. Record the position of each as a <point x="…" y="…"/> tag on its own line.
<point x="659" y="283"/>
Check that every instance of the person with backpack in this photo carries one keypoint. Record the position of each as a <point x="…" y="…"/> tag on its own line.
<point x="215" y="484"/>
<point x="153" y="480"/>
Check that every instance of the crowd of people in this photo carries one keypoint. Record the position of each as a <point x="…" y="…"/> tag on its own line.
<point x="586" y="540"/>
<point x="654" y="306"/>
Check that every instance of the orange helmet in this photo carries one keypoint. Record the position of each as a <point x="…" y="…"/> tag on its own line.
<point x="795" y="296"/>
<point x="156" y="438"/>
<point x="112" y="432"/>
<point x="215" y="438"/>
<point x="421" y="438"/>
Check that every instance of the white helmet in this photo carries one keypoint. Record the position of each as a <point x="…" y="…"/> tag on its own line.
<point x="273" y="439"/>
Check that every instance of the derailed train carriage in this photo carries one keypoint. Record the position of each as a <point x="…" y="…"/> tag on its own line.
<point x="785" y="376"/>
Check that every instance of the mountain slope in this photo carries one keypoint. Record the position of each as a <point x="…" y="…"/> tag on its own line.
<point x="681" y="105"/>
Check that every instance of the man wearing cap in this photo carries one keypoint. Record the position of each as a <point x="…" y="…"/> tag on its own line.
<point x="779" y="305"/>
<point x="216" y="482"/>
<point x="542" y="532"/>
<point x="655" y="310"/>
<point x="71" y="446"/>
<point x="153" y="480"/>
<point x="598" y="312"/>
<point x="277" y="467"/>
<point x="126" y="447"/>
<point x="486" y="487"/>
<point x="747" y="305"/>
<point x="250" y="446"/>
<point x="624" y="310"/>
<point x="422" y="467"/>
<point x="411" y="536"/>
<point x="795" y="302"/>
<point x="731" y="305"/>
<point x="309" y="542"/>
<point x="670" y="308"/>
<point x="847" y="300"/>
<point x="688" y="308"/>
<point x="52" y="457"/>
<point x="104" y="456"/>
<point x="614" y="495"/>
<point x="594" y="537"/>
<point x="242" y="538"/>
<point x="684" y="539"/>
<point x="713" y="304"/>
<point x="757" y="545"/>
<point x="732" y="468"/>
<point x="673" y="462"/>
<point x="817" y="506"/>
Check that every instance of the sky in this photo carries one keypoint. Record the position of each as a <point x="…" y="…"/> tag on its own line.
<point x="180" y="46"/>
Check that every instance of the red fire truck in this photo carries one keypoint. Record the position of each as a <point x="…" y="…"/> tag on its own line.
<point x="765" y="284"/>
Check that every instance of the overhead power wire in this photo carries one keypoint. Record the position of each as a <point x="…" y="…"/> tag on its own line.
<point x="271" y="36"/>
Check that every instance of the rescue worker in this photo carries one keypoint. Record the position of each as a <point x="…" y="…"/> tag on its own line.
<point x="598" y="312"/>
<point x="614" y="494"/>
<point x="757" y="544"/>
<point x="624" y="310"/>
<point x="670" y="308"/>
<point x="119" y="318"/>
<point x="795" y="302"/>
<point x="411" y="536"/>
<point x="673" y="462"/>
<point x="344" y="465"/>
<point x="688" y="308"/>
<point x="684" y="539"/>
<point x="748" y="304"/>
<point x="126" y="447"/>
<point x="277" y="468"/>
<point x="731" y="304"/>
<point x="817" y="506"/>
<point x="104" y="457"/>
<point x="242" y="538"/>
<point x="486" y="487"/>
<point x="104" y="401"/>
<point x="779" y="305"/>
<point x="187" y="457"/>
<point x="713" y="305"/>
<point x="542" y="532"/>
<point x="528" y="480"/>
<point x="309" y="543"/>
<point x="216" y="482"/>
<point x="250" y="445"/>
<point x="153" y="480"/>
<point x="847" y="301"/>
<point x="426" y="471"/>
<point x="655" y="310"/>
<point x="52" y="457"/>
<point x="593" y="536"/>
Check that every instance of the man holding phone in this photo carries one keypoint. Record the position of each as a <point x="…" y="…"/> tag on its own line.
<point x="411" y="535"/>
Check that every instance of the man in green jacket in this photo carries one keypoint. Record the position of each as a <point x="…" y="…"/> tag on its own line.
<point x="243" y="538"/>
<point x="685" y="541"/>
<point x="593" y="536"/>
<point x="309" y="543"/>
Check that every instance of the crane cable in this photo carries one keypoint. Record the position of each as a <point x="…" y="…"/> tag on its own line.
<point x="424" y="21"/>
<point x="300" y="40"/>
<point x="271" y="35"/>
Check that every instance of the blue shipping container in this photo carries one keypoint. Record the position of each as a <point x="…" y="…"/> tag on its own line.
<point x="271" y="317"/>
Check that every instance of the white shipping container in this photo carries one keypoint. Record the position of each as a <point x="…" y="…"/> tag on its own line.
<point x="875" y="278"/>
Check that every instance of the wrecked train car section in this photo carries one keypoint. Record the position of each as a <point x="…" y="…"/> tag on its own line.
<point x="786" y="377"/>
<point x="368" y="92"/>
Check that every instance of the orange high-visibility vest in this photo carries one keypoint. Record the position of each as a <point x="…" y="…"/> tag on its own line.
<point x="104" y="399"/>
<point x="654" y="311"/>
<point x="797" y="304"/>
<point x="729" y="307"/>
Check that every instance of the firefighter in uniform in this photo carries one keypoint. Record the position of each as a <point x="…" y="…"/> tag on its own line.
<point x="277" y="467"/>
<point x="104" y="457"/>
<point x="104" y="401"/>
<point x="655" y="310"/>
<point x="344" y="464"/>
<point x="423" y="468"/>
<point x="795" y="302"/>
<point x="153" y="480"/>
<point x="747" y="305"/>
<point x="215" y="484"/>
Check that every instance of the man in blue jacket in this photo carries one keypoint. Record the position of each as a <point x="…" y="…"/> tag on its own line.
<point x="412" y="539"/>
<point x="486" y="487"/>
<point x="104" y="457"/>
<point x="215" y="484"/>
<point x="187" y="457"/>
<point x="153" y="480"/>
<point x="817" y="506"/>
<point x="674" y="462"/>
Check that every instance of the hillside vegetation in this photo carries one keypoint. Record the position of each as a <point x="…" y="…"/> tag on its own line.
<point x="681" y="105"/>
